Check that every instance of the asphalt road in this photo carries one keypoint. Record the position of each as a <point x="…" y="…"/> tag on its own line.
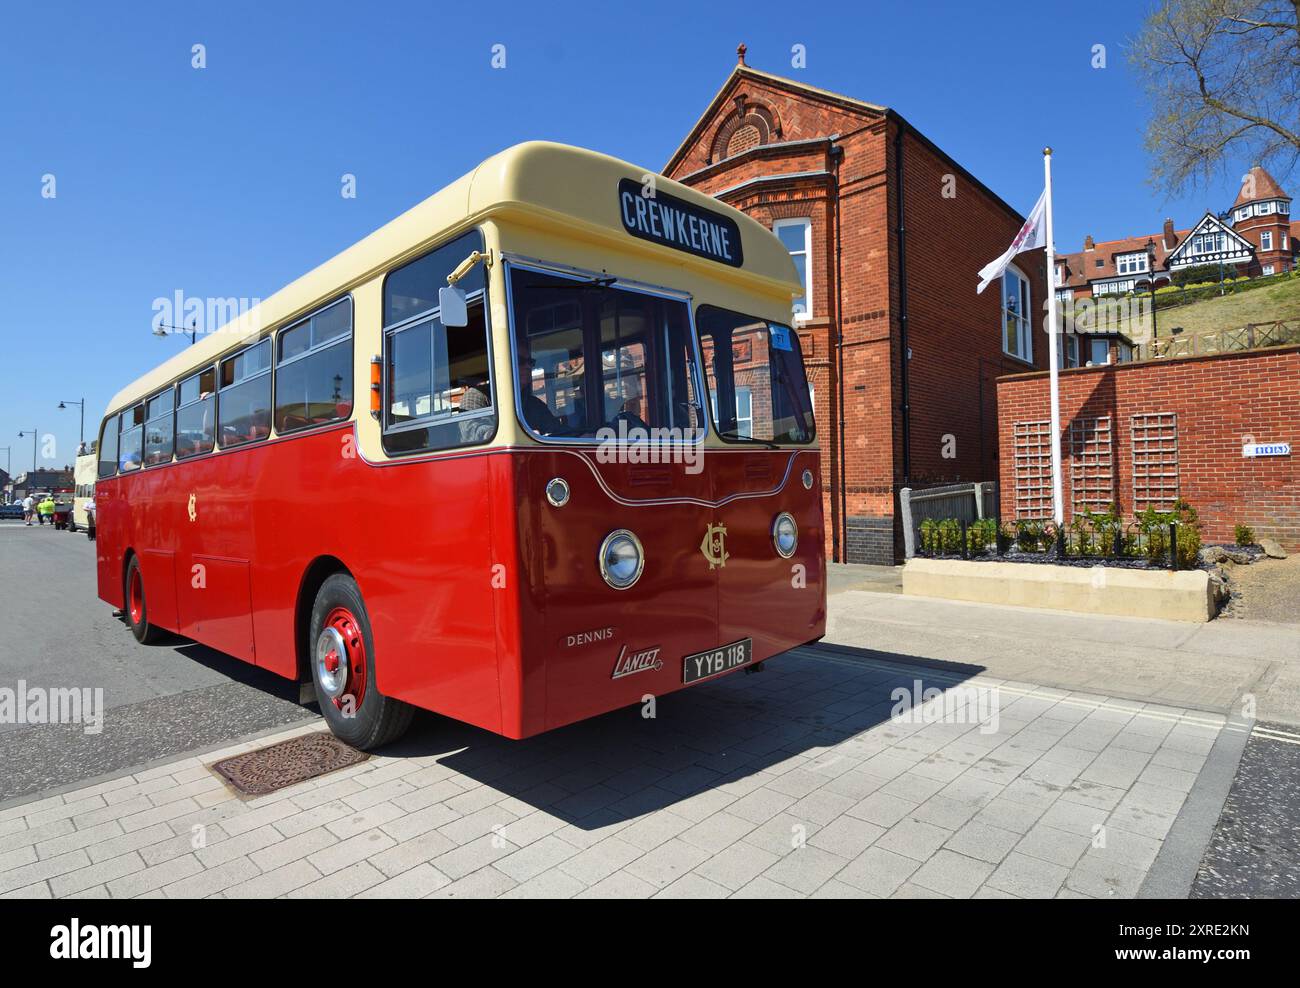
<point x="1255" y="850"/>
<point x="158" y="700"/>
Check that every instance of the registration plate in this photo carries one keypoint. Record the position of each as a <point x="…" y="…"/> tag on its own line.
<point x="702" y="665"/>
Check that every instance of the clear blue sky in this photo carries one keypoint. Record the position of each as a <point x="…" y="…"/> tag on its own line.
<point x="225" y="181"/>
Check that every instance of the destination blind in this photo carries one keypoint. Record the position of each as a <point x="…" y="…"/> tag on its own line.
<point x="673" y="222"/>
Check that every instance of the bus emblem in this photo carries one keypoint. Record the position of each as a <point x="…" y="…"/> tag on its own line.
<point x="629" y="663"/>
<point x="714" y="546"/>
<point x="193" y="507"/>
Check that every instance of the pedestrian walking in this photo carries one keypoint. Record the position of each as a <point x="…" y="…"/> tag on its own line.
<point x="29" y="509"/>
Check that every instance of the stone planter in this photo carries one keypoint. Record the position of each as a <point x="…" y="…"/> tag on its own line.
<point x="1185" y="595"/>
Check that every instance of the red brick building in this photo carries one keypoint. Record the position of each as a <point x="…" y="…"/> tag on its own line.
<point x="889" y="232"/>
<point x="1221" y="431"/>
<point x="1256" y="237"/>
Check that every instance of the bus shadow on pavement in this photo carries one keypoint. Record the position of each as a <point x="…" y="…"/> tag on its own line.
<point x="797" y="719"/>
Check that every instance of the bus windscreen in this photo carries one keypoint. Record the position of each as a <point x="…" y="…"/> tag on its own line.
<point x="593" y="356"/>
<point x="758" y="390"/>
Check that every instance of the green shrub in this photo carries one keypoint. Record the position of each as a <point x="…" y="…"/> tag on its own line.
<point x="1245" y="535"/>
<point x="1154" y="526"/>
<point x="1031" y="536"/>
<point x="980" y="535"/>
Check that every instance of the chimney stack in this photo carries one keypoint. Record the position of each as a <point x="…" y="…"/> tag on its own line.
<point x="1170" y="238"/>
<point x="1087" y="242"/>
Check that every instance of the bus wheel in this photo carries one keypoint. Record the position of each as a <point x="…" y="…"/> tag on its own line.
<point x="137" y="611"/>
<point x="343" y="669"/>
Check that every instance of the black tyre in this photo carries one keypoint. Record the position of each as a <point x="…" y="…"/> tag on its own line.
<point x="341" y="651"/>
<point x="137" y="607"/>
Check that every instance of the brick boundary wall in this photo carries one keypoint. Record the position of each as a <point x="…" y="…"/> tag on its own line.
<point x="1218" y="401"/>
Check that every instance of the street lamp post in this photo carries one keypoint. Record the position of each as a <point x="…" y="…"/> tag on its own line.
<point x="192" y="332"/>
<point x="8" y="458"/>
<point x="1151" y="282"/>
<point x="82" y="403"/>
<point x="33" y="432"/>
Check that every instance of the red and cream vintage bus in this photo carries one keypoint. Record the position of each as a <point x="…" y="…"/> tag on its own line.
<point x="535" y="449"/>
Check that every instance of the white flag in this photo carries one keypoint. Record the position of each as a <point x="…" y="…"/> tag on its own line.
<point x="1031" y="235"/>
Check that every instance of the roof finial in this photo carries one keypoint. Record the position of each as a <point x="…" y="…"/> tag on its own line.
<point x="740" y="53"/>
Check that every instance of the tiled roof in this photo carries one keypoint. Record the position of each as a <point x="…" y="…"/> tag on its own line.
<point x="1082" y="267"/>
<point x="1265" y="187"/>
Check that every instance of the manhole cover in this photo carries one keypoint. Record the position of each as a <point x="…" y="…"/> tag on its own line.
<point x="256" y="773"/>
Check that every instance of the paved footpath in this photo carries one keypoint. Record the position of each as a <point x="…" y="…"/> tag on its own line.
<point x="793" y="782"/>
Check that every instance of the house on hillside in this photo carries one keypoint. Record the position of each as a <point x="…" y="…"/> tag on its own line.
<point x="1255" y="238"/>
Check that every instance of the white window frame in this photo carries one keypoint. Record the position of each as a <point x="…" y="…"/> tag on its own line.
<point x="1266" y="240"/>
<point x="1135" y="262"/>
<point x="806" y="223"/>
<point x="1268" y="269"/>
<point x="1025" y="319"/>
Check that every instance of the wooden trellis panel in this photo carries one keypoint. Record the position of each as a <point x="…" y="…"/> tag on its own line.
<point x="1155" y="460"/>
<point x="1033" y="466"/>
<point x="1092" y="464"/>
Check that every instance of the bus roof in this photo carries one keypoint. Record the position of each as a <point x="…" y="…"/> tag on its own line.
<point x="536" y="178"/>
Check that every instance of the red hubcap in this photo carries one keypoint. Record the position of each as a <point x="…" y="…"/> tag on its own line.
<point x="135" y="605"/>
<point x="342" y="621"/>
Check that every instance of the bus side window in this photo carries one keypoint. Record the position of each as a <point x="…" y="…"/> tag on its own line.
<point x="194" y="432"/>
<point x="130" y="453"/>
<point x="158" y="428"/>
<point x="313" y="374"/>
<point x="108" y="447"/>
<point x="437" y="378"/>
<point x="244" y="399"/>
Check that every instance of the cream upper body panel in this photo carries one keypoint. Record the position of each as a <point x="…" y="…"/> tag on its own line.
<point x="547" y="200"/>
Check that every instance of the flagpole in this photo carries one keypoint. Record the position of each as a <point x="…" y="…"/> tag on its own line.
<point x="1058" y="501"/>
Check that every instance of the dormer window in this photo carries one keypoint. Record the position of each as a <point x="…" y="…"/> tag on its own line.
<point x="1135" y="263"/>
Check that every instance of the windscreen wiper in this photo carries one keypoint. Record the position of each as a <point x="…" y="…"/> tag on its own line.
<point x="768" y="444"/>
<point x="596" y="281"/>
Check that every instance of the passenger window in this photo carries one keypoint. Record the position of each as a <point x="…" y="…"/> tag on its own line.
<point x="159" y="428"/>
<point x="244" y="400"/>
<point x="313" y="378"/>
<point x="108" y="448"/>
<point x="195" y="412"/>
<point x="131" y="443"/>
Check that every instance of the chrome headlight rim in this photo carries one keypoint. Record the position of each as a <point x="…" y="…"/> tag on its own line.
<point x="776" y="535"/>
<point x="621" y="533"/>
<point x="557" y="492"/>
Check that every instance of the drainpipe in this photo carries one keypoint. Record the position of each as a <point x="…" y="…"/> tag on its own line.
<point x="840" y="548"/>
<point x="902" y="307"/>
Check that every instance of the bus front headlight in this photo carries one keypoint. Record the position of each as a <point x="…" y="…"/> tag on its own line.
<point x="621" y="559"/>
<point x="785" y="535"/>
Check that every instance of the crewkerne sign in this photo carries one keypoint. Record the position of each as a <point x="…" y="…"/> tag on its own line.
<point x="665" y="219"/>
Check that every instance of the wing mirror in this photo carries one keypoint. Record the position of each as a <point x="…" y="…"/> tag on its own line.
<point x="451" y="300"/>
